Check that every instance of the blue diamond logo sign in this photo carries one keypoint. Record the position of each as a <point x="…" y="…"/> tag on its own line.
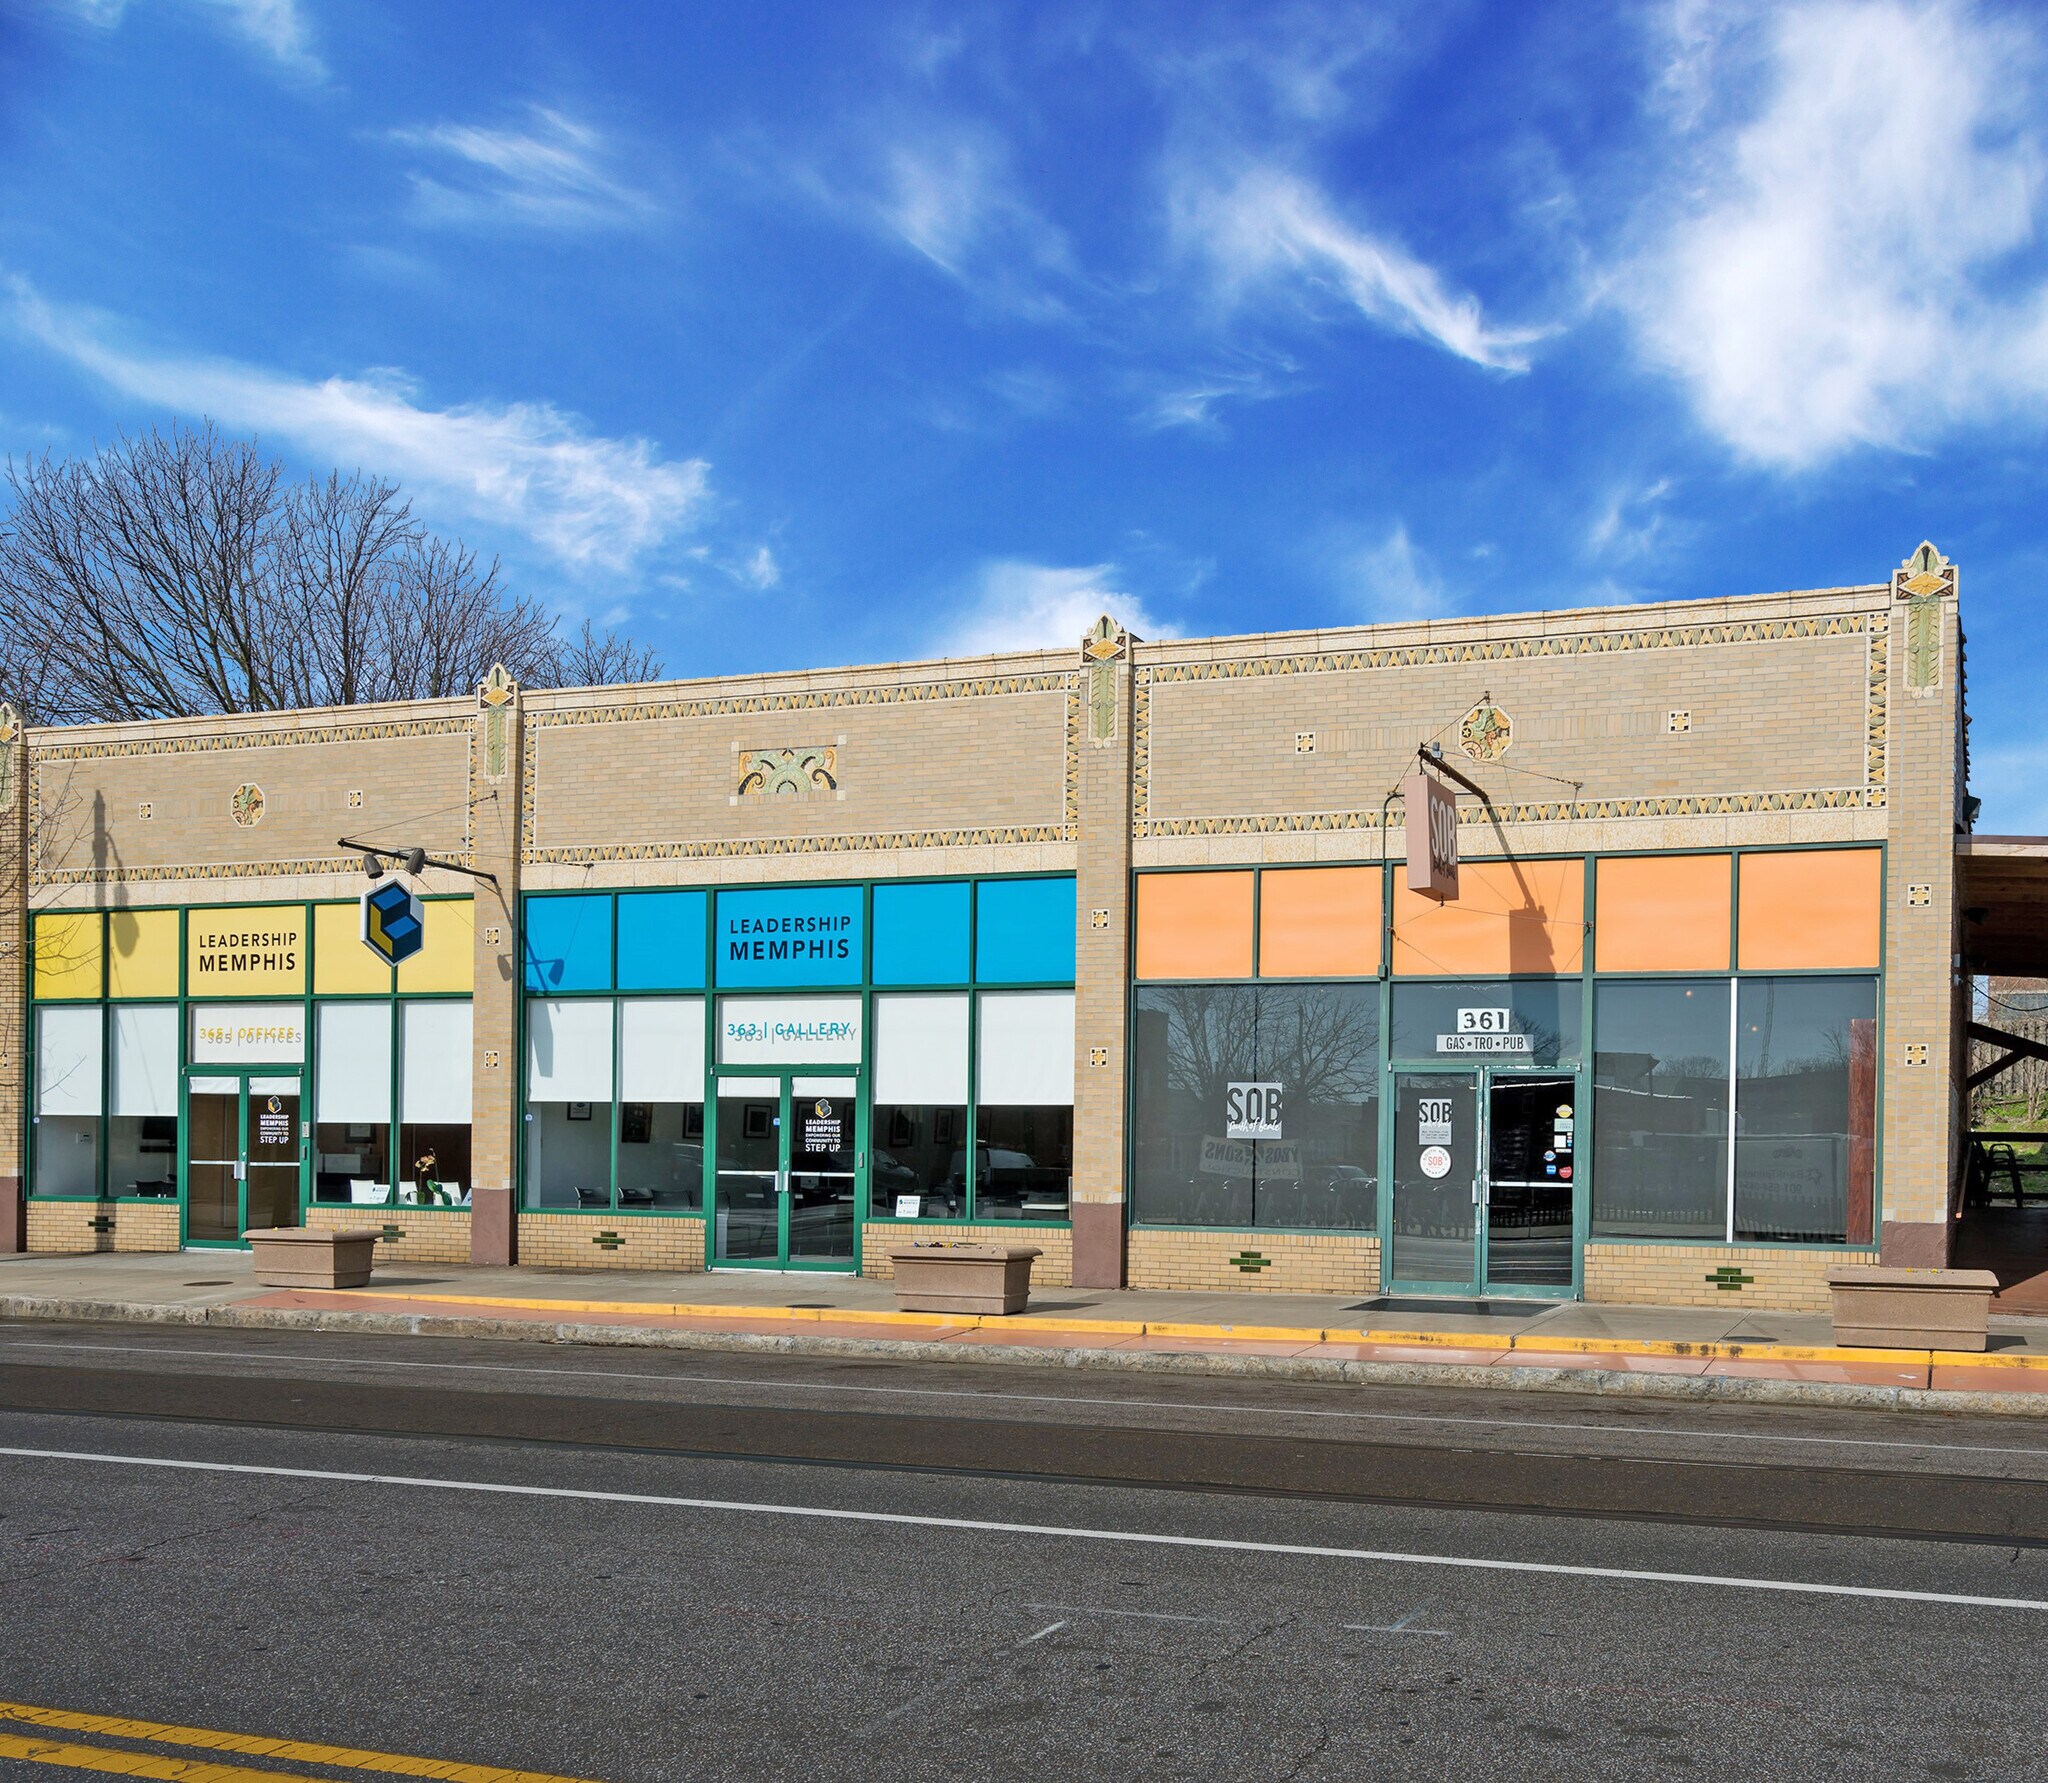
<point x="394" y="924"/>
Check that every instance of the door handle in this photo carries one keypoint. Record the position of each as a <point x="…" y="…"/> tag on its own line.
<point x="782" y="1182"/>
<point x="241" y="1170"/>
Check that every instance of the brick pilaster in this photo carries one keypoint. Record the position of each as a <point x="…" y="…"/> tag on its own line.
<point x="1101" y="955"/>
<point x="1923" y="990"/>
<point x="496" y="778"/>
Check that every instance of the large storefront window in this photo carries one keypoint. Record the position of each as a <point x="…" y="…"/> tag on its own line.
<point x="919" y="1128"/>
<point x="142" y="1104"/>
<point x="653" y="1102"/>
<point x="1802" y="1076"/>
<point x="1024" y="1106"/>
<point x="69" y="1097"/>
<point x="352" y="1103"/>
<point x="362" y="1051"/>
<point x="1805" y="1107"/>
<point x="1660" y="1109"/>
<point x="1319" y="1044"/>
<point x="433" y="1104"/>
<point x="661" y="1107"/>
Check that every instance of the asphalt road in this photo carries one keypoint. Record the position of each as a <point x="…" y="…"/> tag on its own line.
<point x="629" y="1564"/>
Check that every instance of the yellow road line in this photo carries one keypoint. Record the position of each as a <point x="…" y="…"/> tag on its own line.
<point x="208" y="1739"/>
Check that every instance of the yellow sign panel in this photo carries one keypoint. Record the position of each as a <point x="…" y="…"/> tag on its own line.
<point x="142" y="953"/>
<point x="248" y="952"/>
<point x="68" y="954"/>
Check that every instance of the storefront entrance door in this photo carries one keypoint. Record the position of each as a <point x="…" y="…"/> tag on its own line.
<point x="1483" y="1174"/>
<point x="245" y="1155"/>
<point x="786" y="1182"/>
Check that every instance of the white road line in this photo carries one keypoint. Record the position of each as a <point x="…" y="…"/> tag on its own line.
<point x="1049" y="1628"/>
<point x="985" y="1396"/>
<point x="1082" y="1609"/>
<point x="981" y="1526"/>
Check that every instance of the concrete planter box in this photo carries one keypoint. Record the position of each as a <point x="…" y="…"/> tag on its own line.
<point x="1912" y="1309"/>
<point x="983" y="1278"/>
<point x="307" y="1257"/>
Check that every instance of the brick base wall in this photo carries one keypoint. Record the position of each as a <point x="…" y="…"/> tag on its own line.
<point x="411" y="1234"/>
<point x="1293" y="1262"/>
<point x="605" y="1241"/>
<point x="128" y="1225"/>
<point x="1690" y="1274"/>
<point x="878" y="1237"/>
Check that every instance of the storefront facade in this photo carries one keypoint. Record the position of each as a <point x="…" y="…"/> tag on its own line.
<point x="1111" y="951"/>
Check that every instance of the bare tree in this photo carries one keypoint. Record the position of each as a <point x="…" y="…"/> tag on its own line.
<point x="177" y="574"/>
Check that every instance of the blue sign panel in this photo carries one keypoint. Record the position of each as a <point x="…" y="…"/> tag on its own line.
<point x="800" y="937"/>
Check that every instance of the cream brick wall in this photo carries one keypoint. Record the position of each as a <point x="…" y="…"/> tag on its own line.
<point x="1055" y="1269"/>
<point x="128" y="1225"/>
<point x="586" y="1241"/>
<point x="1299" y="1262"/>
<point x="410" y="1234"/>
<point x="1685" y="1275"/>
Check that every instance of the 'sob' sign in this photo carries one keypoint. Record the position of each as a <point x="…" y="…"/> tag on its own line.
<point x="1251" y="1111"/>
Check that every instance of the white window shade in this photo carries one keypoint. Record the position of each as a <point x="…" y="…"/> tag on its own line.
<point x="921" y="1051"/>
<point x="568" y="1050"/>
<point x="68" y="1061"/>
<point x="352" y="1066"/>
<point x="145" y="1059"/>
<point x="434" y="1059"/>
<point x="661" y="1049"/>
<point x="1027" y="1050"/>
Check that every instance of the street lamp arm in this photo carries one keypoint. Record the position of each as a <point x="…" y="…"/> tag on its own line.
<point x="407" y="860"/>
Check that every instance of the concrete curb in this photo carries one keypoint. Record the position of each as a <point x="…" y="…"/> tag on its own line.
<point x="1491" y="1377"/>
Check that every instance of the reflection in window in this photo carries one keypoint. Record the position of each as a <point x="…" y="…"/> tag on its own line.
<point x="1660" y="1109"/>
<point x="1805" y="1100"/>
<point x="1319" y="1043"/>
<point x="919" y="1135"/>
<point x="142" y="1102"/>
<point x="1024" y="1106"/>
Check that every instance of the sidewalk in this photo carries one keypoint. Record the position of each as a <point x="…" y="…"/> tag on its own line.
<point x="1688" y="1352"/>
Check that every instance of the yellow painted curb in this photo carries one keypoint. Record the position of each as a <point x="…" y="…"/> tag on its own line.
<point x="1243" y="1333"/>
<point x="1528" y="1343"/>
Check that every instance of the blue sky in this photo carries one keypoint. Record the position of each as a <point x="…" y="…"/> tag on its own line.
<point x="785" y="335"/>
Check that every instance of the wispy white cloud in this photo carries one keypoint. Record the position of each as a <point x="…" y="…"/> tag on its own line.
<point x="277" y="28"/>
<point x="945" y="190"/>
<point x="1015" y="605"/>
<point x="587" y="500"/>
<point x="1389" y="578"/>
<point x="1854" y="258"/>
<point x="1194" y="398"/>
<point x="1630" y="519"/>
<point x="1266" y="224"/>
<point x="552" y="171"/>
<point x="762" y="570"/>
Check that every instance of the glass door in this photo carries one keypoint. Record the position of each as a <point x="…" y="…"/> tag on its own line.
<point x="1434" y="1229"/>
<point x="1531" y="1130"/>
<point x="213" y="1160"/>
<point x="785" y="1179"/>
<point x="245" y="1155"/>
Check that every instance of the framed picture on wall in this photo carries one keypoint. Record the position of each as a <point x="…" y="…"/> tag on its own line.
<point x="579" y="1111"/>
<point x="755" y="1125"/>
<point x="636" y="1123"/>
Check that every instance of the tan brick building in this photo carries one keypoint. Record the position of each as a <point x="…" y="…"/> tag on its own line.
<point x="1111" y="949"/>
